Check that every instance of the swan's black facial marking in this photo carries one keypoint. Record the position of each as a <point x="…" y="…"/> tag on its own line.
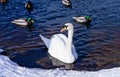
<point x="64" y="26"/>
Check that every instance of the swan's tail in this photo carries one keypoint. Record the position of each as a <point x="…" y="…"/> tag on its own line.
<point x="1" y="50"/>
<point x="45" y="40"/>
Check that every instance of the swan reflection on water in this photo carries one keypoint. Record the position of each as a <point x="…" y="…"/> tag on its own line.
<point x="52" y="63"/>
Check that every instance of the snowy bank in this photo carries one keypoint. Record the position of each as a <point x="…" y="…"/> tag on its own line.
<point x="11" y="69"/>
<point x="1" y="50"/>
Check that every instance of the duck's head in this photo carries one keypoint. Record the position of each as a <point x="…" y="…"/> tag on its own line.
<point x="30" y="20"/>
<point x="67" y="26"/>
<point x="29" y="4"/>
<point x="88" y="18"/>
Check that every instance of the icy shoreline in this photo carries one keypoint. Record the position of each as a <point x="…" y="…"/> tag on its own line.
<point x="11" y="69"/>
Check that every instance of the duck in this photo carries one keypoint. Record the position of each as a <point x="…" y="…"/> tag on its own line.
<point x="29" y="6"/>
<point x="83" y="19"/>
<point x="67" y="2"/>
<point x="24" y="22"/>
<point x="60" y="46"/>
<point x="3" y="1"/>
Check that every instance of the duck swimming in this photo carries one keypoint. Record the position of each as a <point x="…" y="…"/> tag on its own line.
<point x="29" y="6"/>
<point x="67" y="2"/>
<point x="23" y="22"/>
<point x="83" y="19"/>
<point x="60" y="46"/>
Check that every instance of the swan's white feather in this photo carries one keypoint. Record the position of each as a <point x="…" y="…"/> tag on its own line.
<point x="73" y="47"/>
<point x="57" y="47"/>
<point x="46" y="40"/>
<point x="61" y="47"/>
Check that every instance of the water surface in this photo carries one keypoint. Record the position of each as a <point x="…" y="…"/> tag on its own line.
<point x="98" y="46"/>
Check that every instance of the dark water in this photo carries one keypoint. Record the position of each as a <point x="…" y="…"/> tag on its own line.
<point x="98" y="46"/>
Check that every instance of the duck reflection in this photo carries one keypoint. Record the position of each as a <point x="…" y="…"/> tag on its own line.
<point x="52" y="63"/>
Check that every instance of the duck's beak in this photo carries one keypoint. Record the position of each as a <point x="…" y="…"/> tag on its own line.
<point x="63" y="29"/>
<point x="90" y="19"/>
<point x="32" y="21"/>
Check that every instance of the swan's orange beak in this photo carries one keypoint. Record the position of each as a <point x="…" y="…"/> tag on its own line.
<point x="63" y="29"/>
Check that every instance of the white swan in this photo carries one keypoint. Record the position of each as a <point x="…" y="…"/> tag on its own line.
<point x="61" y="47"/>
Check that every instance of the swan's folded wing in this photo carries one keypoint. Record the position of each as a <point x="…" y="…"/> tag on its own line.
<point x="73" y="47"/>
<point x="65" y="39"/>
<point x="57" y="46"/>
<point x="46" y="40"/>
<point x="74" y="51"/>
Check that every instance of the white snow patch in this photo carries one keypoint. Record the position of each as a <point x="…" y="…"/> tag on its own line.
<point x="1" y="50"/>
<point x="11" y="69"/>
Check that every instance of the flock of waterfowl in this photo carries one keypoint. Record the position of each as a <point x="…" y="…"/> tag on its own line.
<point x="59" y="46"/>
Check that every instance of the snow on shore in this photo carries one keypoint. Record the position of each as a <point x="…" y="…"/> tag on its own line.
<point x="11" y="69"/>
<point x="1" y="50"/>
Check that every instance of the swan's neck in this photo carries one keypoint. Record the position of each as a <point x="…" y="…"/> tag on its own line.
<point x="69" y="41"/>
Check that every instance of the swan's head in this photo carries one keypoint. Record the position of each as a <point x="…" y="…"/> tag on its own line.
<point x="67" y="26"/>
